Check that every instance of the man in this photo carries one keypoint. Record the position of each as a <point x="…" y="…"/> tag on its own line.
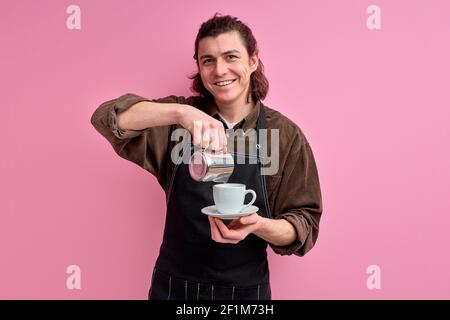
<point x="202" y="257"/>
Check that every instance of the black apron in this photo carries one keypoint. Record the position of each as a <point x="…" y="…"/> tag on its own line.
<point x="190" y="264"/>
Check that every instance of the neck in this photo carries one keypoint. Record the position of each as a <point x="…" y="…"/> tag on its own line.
<point x="235" y="111"/>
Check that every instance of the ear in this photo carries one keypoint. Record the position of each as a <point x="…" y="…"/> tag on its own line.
<point x="254" y="62"/>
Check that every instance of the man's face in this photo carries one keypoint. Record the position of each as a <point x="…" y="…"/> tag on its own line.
<point x="222" y="59"/>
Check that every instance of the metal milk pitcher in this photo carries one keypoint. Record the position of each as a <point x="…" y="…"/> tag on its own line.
<point x="211" y="166"/>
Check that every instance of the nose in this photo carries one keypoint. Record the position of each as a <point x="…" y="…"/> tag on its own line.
<point x="221" y="67"/>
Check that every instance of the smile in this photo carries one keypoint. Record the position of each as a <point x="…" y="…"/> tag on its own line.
<point x="224" y="83"/>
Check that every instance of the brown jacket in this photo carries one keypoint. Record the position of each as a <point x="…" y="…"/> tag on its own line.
<point x="294" y="191"/>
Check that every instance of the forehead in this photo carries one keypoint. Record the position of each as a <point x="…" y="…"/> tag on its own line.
<point x="222" y="43"/>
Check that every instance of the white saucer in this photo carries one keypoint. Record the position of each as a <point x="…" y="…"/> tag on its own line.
<point x="212" y="211"/>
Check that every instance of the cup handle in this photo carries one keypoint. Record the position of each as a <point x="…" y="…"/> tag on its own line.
<point x="252" y="201"/>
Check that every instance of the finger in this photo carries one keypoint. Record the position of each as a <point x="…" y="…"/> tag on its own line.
<point x="206" y="136"/>
<point x="214" y="231"/>
<point x="215" y="139"/>
<point x="197" y="133"/>
<point x="227" y="233"/>
<point x="250" y="219"/>
<point x="219" y="224"/>
<point x="223" y="141"/>
<point x="234" y="223"/>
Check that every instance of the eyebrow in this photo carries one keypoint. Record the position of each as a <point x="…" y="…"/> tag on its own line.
<point x="223" y="54"/>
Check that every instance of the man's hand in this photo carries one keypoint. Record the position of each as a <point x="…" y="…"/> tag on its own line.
<point x="236" y="231"/>
<point x="279" y="232"/>
<point x="206" y="131"/>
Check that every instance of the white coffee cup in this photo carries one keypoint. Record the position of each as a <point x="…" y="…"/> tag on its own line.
<point x="229" y="197"/>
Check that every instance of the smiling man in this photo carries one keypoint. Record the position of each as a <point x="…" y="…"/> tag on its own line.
<point x="201" y="257"/>
<point x="226" y="73"/>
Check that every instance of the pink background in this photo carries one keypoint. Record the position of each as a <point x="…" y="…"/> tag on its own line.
<point x="373" y="104"/>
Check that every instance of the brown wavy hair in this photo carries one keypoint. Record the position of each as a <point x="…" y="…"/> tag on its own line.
<point x="259" y="85"/>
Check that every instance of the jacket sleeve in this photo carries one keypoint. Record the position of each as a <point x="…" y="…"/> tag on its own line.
<point x="299" y="199"/>
<point x="147" y="148"/>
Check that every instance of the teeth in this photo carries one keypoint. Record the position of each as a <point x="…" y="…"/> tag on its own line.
<point x="224" y="83"/>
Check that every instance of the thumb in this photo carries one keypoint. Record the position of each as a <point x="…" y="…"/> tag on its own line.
<point x="248" y="219"/>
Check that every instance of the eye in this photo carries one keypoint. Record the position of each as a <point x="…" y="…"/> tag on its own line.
<point x="206" y="61"/>
<point x="232" y="57"/>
